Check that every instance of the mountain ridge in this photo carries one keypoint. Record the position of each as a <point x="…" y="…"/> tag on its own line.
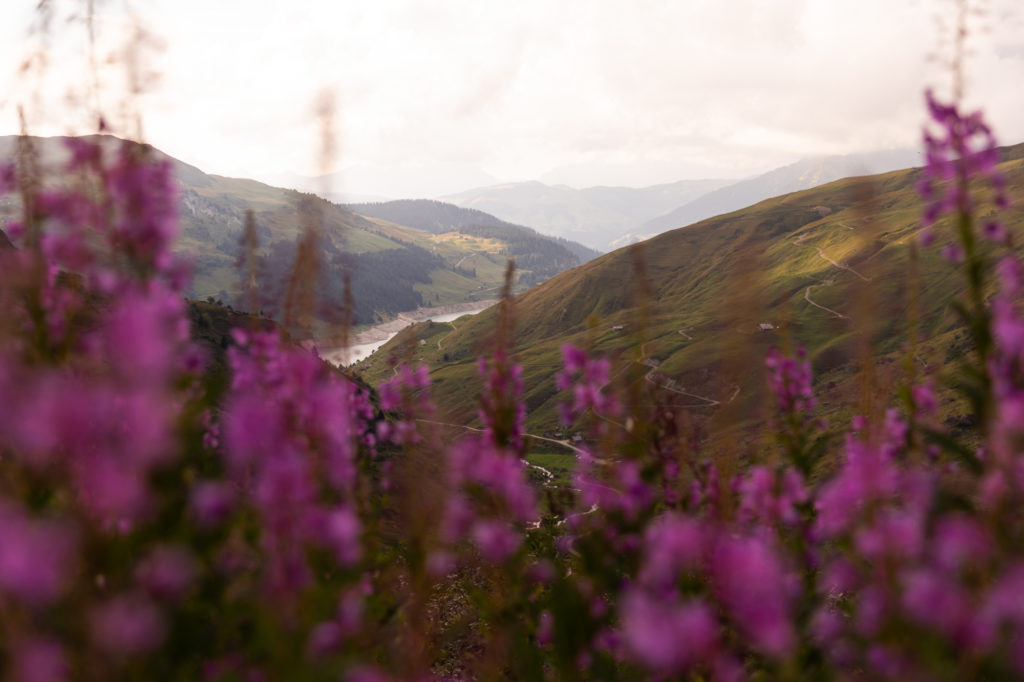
<point x="438" y="217"/>
<point x="800" y="175"/>
<point x="822" y="267"/>
<point x="391" y="268"/>
<point x="592" y="215"/>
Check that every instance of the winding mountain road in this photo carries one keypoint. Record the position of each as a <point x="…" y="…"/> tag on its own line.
<point x="445" y="338"/>
<point x="807" y="297"/>
<point x="799" y="242"/>
<point x="829" y="282"/>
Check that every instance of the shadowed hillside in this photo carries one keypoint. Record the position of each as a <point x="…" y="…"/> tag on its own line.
<point x="391" y="267"/>
<point x="438" y="217"/>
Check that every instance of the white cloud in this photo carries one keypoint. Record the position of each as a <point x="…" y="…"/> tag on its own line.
<point x="592" y="91"/>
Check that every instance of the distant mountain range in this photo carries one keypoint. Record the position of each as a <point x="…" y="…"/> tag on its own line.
<point x="594" y="216"/>
<point x="600" y="217"/>
<point x="605" y="218"/>
<point x="797" y="176"/>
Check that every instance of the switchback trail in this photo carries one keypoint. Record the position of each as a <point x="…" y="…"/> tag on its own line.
<point x="807" y="297"/>
<point x="799" y="242"/>
<point x="445" y="338"/>
<point x="670" y="384"/>
<point x="829" y="282"/>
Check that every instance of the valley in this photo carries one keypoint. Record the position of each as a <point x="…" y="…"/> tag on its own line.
<point x="405" y="341"/>
<point x="835" y="269"/>
<point x="694" y="308"/>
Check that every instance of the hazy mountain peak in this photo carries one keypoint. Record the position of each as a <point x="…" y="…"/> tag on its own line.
<point x="799" y="175"/>
<point x="593" y="216"/>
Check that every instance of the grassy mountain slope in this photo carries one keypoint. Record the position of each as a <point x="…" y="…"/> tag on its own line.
<point x="393" y="267"/>
<point x="826" y="268"/>
<point x="438" y="217"/>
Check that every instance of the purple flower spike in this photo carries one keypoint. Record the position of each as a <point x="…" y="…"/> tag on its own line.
<point x="212" y="502"/>
<point x="755" y="588"/>
<point x="497" y="541"/>
<point x="667" y="638"/>
<point x="128" y="625"/>
<point x="38" y="660"/>
<point x="954" y="253"/>
<point x="36" y="557"/>
<point x="995" y="231"/>
<point x="962" y="148"/>
<point x="167" y="572"/>
<point x="791" y="381"/>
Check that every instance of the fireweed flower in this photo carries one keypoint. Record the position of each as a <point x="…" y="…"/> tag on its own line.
<point x="490" y="498"/>
<point x="341" y="531"/>
<point x="611" y="487"/>
<point x="757" y="590"/>
<point x="406" y="396"/>
<point x="958" y="150"/>
<point x="211" y="502"/>
<point x="502" y="411"/>
<point x="407" y="379"/>
<point x="325" y="638"/>
<point x="1006" y="367"/>
<point x="704" y="490"/>
<point x="587" y="378"/>
<point x="892" y="535"/>
<point x="103" y="406"/>
<point x="866" y="475"/>
<point x="146" y="223"/>
<point x="673" y="544"/>
<point x="791" y="381"/>
<point x="292" y="431"/>
<point x="663" y="630"/>
<point x="167" y="572"/>
<point x="938" y="601"/>
<point x="37" y="557"/>
<point x="963" y="147"/>
<point x="668" y="638"/>
<point x="771" y="498"/>
<point x="127" y="625"/>
<point x="38" y="660"/>
<point x="496" y="540"/>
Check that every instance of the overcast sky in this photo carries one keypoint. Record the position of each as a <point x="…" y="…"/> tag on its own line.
<point x="435" y="94"/>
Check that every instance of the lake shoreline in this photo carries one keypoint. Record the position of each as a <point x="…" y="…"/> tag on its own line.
<point x="383" y="330"/>
<point x="380" y="334"/>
